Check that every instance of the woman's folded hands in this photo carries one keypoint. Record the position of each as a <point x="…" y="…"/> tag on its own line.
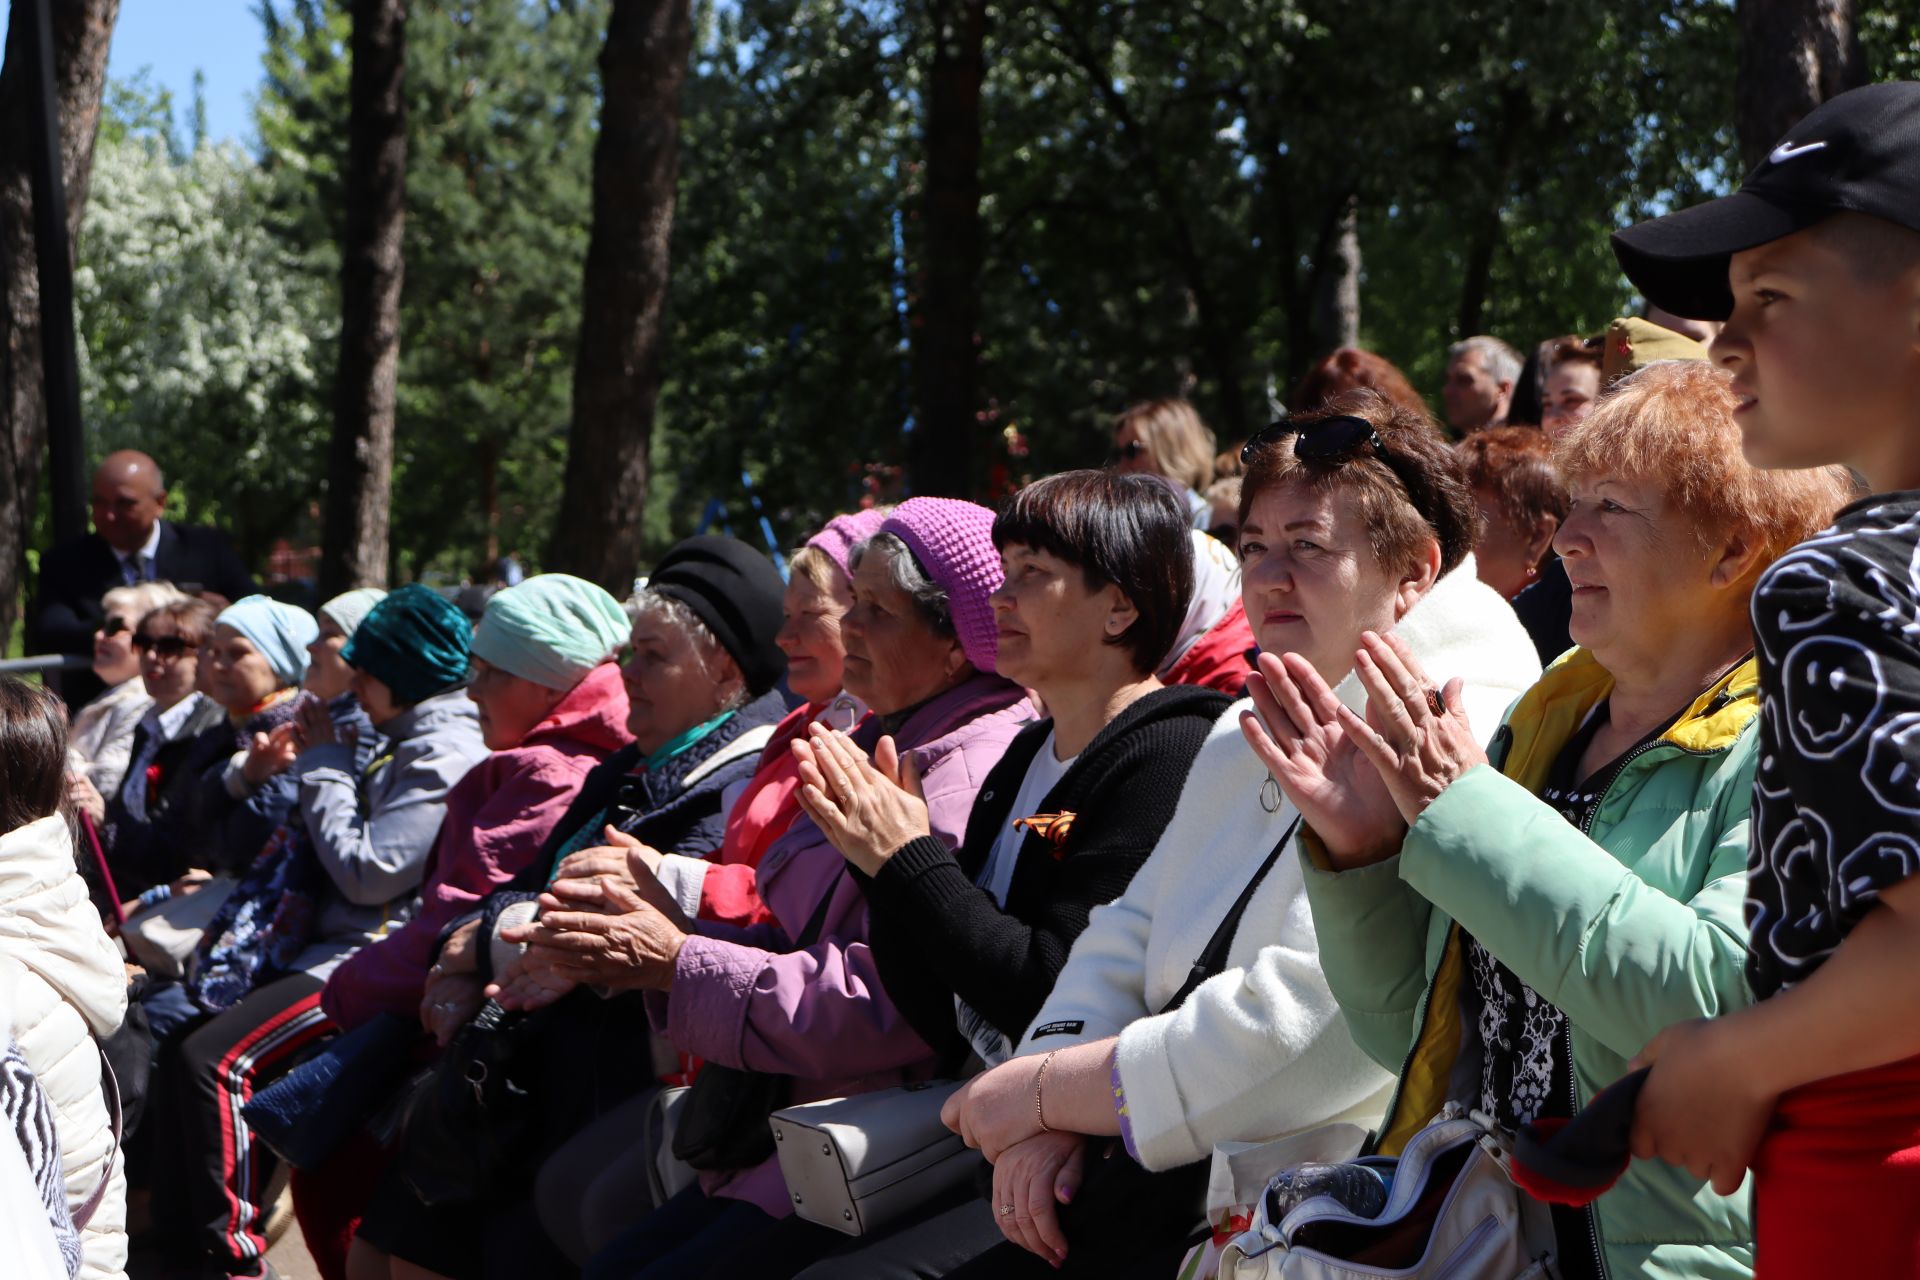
<point x="614" y="928"/>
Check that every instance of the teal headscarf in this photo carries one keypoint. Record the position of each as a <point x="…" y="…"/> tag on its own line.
<point x="414" y="642"/>
<point x="551" y="629"/>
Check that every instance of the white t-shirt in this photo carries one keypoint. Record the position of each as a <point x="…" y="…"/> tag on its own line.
<point x="996" y="877"/>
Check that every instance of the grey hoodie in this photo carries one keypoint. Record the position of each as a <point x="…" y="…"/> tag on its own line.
<point x="373" y="833"/>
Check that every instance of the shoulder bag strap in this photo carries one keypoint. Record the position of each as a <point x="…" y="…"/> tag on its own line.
<point x="110" y="1086"/>
<point x="1214" y="958"/>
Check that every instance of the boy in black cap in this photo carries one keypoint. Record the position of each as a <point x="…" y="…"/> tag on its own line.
<point x="1815" y="266"/>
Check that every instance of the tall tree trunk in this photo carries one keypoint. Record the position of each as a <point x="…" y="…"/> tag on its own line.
<point x="82" y="30"/>
<point x="1336" y="304"/>
<point x="1487" y="234"/>
<point x="940" y="451"/>
<point x="1220" y="341"/>
<point x="360" y="456"/>
<point x="616" y="378"/>
<point x="1794" y="55"/>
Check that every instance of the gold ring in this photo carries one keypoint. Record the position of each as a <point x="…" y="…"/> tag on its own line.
<point x="1006" y="1211"/>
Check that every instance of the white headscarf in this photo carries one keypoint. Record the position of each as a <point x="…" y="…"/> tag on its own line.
<point x="1216" y="585"/>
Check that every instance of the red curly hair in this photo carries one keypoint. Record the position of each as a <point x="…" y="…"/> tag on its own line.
<point x="1349" y="369"/>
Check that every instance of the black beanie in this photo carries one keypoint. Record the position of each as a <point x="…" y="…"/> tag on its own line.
<point x="737" y="593"/>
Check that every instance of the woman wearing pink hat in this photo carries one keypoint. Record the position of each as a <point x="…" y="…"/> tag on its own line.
<point x="920" y="644"/>
<point x="819" y="593"/>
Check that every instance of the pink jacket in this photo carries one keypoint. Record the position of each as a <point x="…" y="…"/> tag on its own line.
<point x="744" y="998"/>
<point x="498" y="817"/>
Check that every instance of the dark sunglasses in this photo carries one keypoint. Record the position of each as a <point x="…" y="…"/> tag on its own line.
<point x="1126" y="452"/>
<point x="160" y="646"/>
<point x="114" y="626"/>
<point x="1333" y="440"/>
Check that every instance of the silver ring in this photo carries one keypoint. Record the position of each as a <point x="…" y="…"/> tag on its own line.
<point x="1006" y="1211"/>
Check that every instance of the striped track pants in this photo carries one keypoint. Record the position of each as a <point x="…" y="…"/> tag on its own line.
<point x="210" y="1174"/>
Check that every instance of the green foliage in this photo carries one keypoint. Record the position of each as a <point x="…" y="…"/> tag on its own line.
<point x="1162" y="187"/>
<point x="199" y="336"/>
<point x="502" y="101"/>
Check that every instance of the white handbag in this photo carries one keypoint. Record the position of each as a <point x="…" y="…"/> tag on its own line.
<point x="1452" y="1213"/>
<point x="858" y="1164"/>
<point x="163" y="937"/>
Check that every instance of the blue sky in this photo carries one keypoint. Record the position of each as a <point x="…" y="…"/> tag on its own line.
<point x="171" y="38"/>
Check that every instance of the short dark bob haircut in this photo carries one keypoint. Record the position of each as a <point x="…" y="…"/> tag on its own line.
<point x="33" y="754"/>
<point x="1130" y="530"/>
<point x="1426" y="499"/>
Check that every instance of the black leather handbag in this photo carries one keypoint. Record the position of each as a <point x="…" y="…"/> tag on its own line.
<point x="723" y="1121"/>
<point x="474" y="1112"/>
<point x="1123" y="1209"/>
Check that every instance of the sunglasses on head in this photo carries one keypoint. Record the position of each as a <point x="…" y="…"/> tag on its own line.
<point x="1332" y="440"/>
<point x="160" y="646"/>
<point x="1126" y="452"/>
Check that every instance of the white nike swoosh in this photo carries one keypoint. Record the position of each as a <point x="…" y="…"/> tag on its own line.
<point x="1783" y="153"/>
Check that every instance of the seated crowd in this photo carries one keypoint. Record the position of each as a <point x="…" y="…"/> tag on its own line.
<point x="1199" y="805"/>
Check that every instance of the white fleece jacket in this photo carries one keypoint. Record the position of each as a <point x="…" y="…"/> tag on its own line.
<point x="1259" y="1050"/>
<point x="67" y="986"/>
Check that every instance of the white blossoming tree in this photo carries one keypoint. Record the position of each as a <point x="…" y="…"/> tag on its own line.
<point x="203" y="342"/>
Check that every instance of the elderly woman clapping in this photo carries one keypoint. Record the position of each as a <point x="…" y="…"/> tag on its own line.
<point x="697" y="670"/>
<point x="1520" y="921"/>
<point x="920" y="652"/>
<point x="969" y="941"/>
<point x="1353" y="519"/>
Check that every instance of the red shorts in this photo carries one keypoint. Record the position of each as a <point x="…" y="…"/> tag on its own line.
<point x="1837" y="1180"/>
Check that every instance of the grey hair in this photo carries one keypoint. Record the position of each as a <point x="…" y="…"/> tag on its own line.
<point x="1501" y="361"/>
<point x="648" y="603"/>
<point x="904" y="571"/>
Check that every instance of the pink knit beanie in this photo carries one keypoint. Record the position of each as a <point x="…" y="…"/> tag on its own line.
<point x="844" y="533"/>
<point x="953" y="541"/>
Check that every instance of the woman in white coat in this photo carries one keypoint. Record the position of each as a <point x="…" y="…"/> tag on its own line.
<point x="1356" y="518"/>
<point x="62" y="978"/>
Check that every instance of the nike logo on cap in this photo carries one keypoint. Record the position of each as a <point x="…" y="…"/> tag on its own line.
<point x="1785" y="151"/>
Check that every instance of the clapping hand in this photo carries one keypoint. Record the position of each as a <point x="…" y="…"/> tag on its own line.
<point x="1296" y="731"/>
<point x="270" y="753"/>
<point x="314" y="727"/>
<point x="1416" y="736"/>
<point x="868" y="810"/>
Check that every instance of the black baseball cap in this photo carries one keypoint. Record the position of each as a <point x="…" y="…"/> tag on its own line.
<point x="1859" y="151"/>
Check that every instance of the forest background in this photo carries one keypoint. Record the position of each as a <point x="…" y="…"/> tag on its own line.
<point x="1198" y="198"/>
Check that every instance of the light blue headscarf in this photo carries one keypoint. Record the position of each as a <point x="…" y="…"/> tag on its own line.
<point x="552" y="629"/>
<point x="280" y="632"/>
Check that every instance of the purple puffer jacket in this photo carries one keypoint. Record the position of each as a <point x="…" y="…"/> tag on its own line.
<point x="743" y="997"/>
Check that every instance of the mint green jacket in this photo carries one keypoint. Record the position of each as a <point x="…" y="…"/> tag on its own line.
<point x="1627" y="927"/>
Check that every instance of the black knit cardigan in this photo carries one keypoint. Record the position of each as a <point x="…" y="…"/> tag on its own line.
<point x="936" y="934"/>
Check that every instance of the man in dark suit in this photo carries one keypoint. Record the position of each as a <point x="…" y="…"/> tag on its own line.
<point x="130" y="543"/>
